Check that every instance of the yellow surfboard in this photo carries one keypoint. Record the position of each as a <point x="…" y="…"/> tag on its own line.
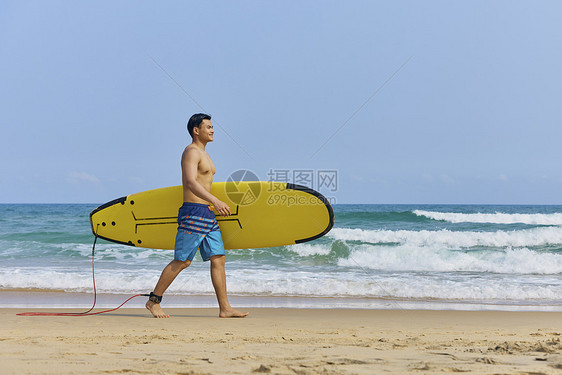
<point x="263" y="214"/>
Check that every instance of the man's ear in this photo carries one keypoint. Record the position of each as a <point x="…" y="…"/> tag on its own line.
<point x="196" y="130"/>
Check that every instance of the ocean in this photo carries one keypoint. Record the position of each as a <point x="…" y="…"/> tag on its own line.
<point x="376" y="256"/>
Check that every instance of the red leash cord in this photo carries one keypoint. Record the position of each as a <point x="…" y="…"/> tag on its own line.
<point x="88" y="312"/>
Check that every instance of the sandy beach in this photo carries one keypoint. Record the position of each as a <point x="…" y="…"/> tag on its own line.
<point x="283" y="341"/>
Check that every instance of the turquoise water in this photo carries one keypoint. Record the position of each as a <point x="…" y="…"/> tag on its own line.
<point x="506" y="255"/>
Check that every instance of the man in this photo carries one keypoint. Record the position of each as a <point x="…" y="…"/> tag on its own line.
<point x="198" y="227"/>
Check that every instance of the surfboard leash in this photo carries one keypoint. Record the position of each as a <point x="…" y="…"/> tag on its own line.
<point x="87" y="312"/>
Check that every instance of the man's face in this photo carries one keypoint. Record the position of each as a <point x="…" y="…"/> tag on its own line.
<point x="206" y="131"/>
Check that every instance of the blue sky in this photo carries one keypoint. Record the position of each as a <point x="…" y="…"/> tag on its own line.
<point x="471" y="112"/>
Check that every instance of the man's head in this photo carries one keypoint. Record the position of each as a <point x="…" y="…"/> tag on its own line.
<point x="195" y="122"/>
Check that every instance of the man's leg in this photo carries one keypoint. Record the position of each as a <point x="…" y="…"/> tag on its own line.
<point x="168" y="275"/>
<point x="218" y="277"/>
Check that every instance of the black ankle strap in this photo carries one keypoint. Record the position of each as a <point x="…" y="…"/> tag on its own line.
<point x="155" y="298"/>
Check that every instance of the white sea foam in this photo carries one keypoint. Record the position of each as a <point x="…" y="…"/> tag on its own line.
<point x="504" y="252"/>
<point x="305" y="250"/>
<point x="262" y="282"/>
<point x="447" y="239"/>
<point x="432" y="259"/>
<point x="495" y="218"/>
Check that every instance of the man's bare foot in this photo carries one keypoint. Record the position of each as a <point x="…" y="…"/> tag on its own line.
<point x="232" y="313"/>
<point x="156" y="310"/>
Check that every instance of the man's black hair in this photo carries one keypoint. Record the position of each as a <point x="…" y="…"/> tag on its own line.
<point x="195" y="121"/>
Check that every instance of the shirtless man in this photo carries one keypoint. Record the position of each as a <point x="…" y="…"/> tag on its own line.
<point x="198" y="227"/>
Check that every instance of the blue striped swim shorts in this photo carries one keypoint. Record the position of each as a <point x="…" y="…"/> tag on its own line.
<point x="197" y="228"/>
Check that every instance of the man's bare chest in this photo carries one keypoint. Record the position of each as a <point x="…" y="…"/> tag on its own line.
<point x="206" y="166"/>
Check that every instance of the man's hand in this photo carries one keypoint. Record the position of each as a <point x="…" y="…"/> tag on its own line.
<point x="222" y="208"/>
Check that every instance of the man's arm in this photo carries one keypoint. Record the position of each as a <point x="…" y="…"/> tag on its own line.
<point x="189" y="163"/>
